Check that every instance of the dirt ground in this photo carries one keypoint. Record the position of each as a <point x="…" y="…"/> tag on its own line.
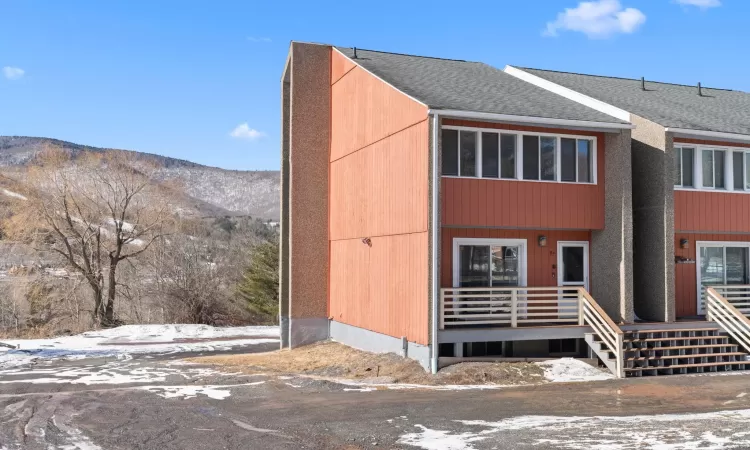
<point x="331" y="359"/>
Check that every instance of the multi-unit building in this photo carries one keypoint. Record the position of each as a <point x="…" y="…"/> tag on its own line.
<point x="449" y="210"/>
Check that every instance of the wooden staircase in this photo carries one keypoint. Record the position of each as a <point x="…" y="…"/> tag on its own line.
<point x="674" y="351"/>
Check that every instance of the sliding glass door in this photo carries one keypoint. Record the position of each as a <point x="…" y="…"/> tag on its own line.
<point x="720" y="264"/>
<point x="489" y="262"/>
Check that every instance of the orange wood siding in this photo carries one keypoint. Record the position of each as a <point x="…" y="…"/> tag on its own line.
<point x="707" y="211"/>
<point x="378" y="189"/>
<point x="382" y="287"/>
<point x="685" y="275"/>
<point x="382" y="189"/>
<point x="340" y="66"/>
<point x="540" y="260"/>
<point x="365" y="110"/>
<point x="524" y="204"/>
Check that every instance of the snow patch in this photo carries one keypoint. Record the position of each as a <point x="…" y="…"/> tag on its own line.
<point x="217" y="392"/>
<point x="110" y="373"/>
<point x="440" y="440"/>
<point x="13" y="194"/>
<point x="123" y="341"/>
<point x="569" y="369"/>
<point x="655" y="432"/>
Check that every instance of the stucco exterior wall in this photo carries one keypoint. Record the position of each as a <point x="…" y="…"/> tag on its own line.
<point x="307" y="217"/>
<point x="284" y="201"/>
<point x="612" y="248"/>
<point x="653" y="221"/>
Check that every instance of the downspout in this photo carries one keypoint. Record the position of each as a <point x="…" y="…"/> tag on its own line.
<point x="435" y="231"/>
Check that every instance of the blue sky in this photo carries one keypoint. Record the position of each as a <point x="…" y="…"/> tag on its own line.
<point x="178" y="77"/>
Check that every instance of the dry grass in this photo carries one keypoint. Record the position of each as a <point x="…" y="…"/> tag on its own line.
<point x="331" y="359"/>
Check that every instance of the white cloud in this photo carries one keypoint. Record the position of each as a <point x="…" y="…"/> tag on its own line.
<point x="702" y="4"/>
<point x="597" y="19"/>
<point x="258" y="39"/>
<point x="13" y="73"/>
<point x="243" y="131"/>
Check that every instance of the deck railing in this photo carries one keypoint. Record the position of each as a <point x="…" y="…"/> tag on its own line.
<point x="721" y="310"/>
<point x="529" y="306"/>
<point x="738" y="295"/>
<point x="509" y="306"/>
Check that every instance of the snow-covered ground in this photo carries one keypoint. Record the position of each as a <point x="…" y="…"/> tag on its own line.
<point x="568" y="369"/>
<point x="135" y="339"/>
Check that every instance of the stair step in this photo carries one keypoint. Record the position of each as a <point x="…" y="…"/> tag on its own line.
<point x="681" y="330"/>
<point x="685" y="338"/>
<point x="680" y="347"/>
<point x="687" y="366"/>
<point x="697" y="355"/>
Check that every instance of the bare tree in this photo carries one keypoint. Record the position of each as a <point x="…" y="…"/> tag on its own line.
<point x="96" y="212"/>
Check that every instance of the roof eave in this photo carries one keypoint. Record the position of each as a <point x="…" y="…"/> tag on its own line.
<point x="601" y="126"/>
<point x="704" y="134"/>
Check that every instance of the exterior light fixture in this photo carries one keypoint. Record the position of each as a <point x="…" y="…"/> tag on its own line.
<point x="684" y="243"/>
<point x="542" y="240"/>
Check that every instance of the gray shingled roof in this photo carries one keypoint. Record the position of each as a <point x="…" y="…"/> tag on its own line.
<point x="470" y="86"/>
<point x="670" y="105"/>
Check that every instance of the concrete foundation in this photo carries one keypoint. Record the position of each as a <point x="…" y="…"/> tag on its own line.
<point x="612" y="248"/>
<point x="371" y="341"/>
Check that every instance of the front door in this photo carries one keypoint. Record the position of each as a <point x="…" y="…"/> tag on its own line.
<point x="721" y="264"/>
<point x="573" y="263"/>
<point x="573" y="270"/>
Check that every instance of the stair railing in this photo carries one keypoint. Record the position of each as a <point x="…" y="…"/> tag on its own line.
<point x="593" y="315"/>
<point x="728" y="317"/>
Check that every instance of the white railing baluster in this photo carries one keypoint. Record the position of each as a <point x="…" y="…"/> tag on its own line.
<point x="720" y="309"/>
<point x="508" y="306"/>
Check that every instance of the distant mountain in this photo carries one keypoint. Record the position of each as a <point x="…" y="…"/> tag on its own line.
<point x="210" y="190"/>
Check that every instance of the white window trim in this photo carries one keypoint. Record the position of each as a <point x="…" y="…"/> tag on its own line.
<point x="698" y="246"/>
<point x="519" y="154"/>
<point x="522" y="257"/>
<point x="728" y="169"/>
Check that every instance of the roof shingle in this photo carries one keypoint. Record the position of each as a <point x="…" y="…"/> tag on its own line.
<point x="669" y="105"/>
<point x="470" y="86"/>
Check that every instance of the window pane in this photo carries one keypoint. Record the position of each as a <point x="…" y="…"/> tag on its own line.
<point x="548" y="158"/>
<point x="572" y="259"/>
<point x="737" y="265"/>
<point x="708" y="168"/>
<point x="712" y="266"/>
<point x="474" y="266"/>
<point x="450" y="152"/>
<point x="687" y="167"/>
<point x="468" y="153"/>
<point x="738" y="170"/>
<point x="585" y="161"/>
<point x="531" y="157"/>
<point x="718" y="168"/>
<point x="567" y="159"/>
<point x="677" y="164"/>
<point x="508" y="156"/>
<point x="747" y="173"/>
<point x="505" y="266"/>
<point x="489" y="155"/>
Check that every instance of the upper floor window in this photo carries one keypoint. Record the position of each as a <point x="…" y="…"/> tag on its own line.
<point x="480" y="153"/>
<point x="711" y="168"/>
<point x="683" y="166"/>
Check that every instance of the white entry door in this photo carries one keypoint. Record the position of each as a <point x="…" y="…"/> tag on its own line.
<point x="573" y="271"/>
<point x="573" y="263"/>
